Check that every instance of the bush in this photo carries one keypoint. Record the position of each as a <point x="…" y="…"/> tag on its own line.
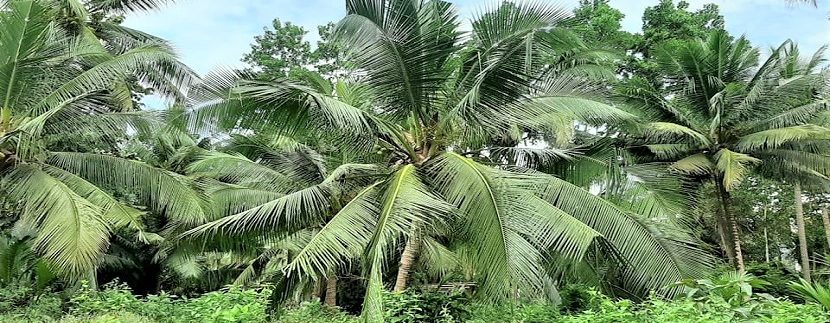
<point x="20" y="303"/>
<point x="121" y="317"/>
<point x="724" y="299"/>
<point x="425" y="306"/>
<point x="777" y="275"/>
<point x="519" y="313"/>
<point x="575" y="298"/>
<point x="812" y="292"/>
<point x="308" y="312"/>
<point x="229" y="305"/>
<point x="688" y="310"/>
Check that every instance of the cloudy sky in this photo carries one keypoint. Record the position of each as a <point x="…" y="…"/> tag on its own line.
<point x="216" y="33"/>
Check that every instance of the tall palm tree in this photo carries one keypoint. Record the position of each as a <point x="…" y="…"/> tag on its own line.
<point x="439" y="101"/>
<point x="55" y="84"/>
<point x="794" y="66"/>
<point x="721" y="115"/>
<point x="801" y="231"/>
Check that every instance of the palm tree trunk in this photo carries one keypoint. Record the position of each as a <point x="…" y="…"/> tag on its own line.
<point x="766" y="245"/>
<point x="802" y="235"/>
<point x="318" y="291"/>
<point x="407" y="259"/>
<point x="331" y="291"/>
<point x="736" y="238"/>
<point x="826" y="219"/>
<point x="726" y="201"/>
<point x="725" y="235"/>
<point x="5" y="119"/>
<point x="766" y="236"/>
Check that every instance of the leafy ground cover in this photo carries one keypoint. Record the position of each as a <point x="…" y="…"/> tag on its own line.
<point x="729" y="298"/>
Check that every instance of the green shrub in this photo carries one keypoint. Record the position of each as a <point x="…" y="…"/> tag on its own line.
<point x="810" y="292"/>
<point x="120" y="317"/>
<point x="425" y="306"/>
<point x="519" y="313"/>
<point x="736" y="290"/>
<point x="308" y="312"/>
<point x="708" y="301"/>
<point x="113" y="298"/>
<point x="724" y="299"/>
<point x="229" y="305"/>
<point x="777" y="275"/>
<point x="575" y="298"/>
<point x="21" y="303"/>
<point x="14" y="296"/>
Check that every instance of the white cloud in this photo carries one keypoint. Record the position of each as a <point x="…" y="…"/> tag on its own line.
<point x="212" y="33"/>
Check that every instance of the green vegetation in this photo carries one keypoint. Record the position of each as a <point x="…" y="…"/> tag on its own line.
<point x="543" y="166"/>
<point x="729" y="298"/>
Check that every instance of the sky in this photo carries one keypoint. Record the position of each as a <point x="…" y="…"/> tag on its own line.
<point x="216" y="33"/>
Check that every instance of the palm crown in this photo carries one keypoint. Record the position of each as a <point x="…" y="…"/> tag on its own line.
<point x="431" y="101"/>
<point x="722" y="115"/>
<point x="57" y="83"/>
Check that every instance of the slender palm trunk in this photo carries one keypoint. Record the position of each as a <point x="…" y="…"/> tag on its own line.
<point x="331" y="291"/>
<point x="732" y="222"/>
<point x="318" y="291"/>
<point x="736" y="238"/>
<point x="766" y="236"/>
<point x="407" y="260"/>
<point x="802" y="235"/>
<point x="725" y="235"/>
<point x="825" y="217"/>
<point x="5" y="119"/>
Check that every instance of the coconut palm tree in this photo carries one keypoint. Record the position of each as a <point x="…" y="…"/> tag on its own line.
<point x="438" y="101"/>
<point x="721" y="115"/>
<point x="55" y="85"/>
<point x="793" y="67"/>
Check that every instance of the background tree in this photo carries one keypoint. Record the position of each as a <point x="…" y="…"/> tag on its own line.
<point x="600" y="26"/>
<point x="283" y="51"/>
<point x="667" y="22"/>
<point x="713" y="86"/>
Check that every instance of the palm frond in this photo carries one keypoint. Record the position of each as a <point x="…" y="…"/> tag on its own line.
<point x="510" y="229"/>
<point x="116" y="213"/>
<point x="667" y="131"/>
<point x="72" y="233"/>
<point x="128" y="6"/>
<point x="278" y="217"/>
<point x="733" y="166"/>
<point x="655" y="258"/>
<point x="697" y="164"/>
<point x="775" y="138"/>
<point x="236" y="169"/>
<point x="402" y="47"/>
<point x="341" y="239"/>
<point x="406" y="203"/>
<point x="228" y="199"/>
<point x="163" y="192"/>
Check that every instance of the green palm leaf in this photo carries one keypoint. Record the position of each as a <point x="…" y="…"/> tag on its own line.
<point x="162" y="191"/>
<point x="510" y="228"/>
<point x="406" y="203"/>
<point x="734" y="166"/>
<point x="775" y="138"/>
<point x="72" y="232"/>
<point x="654" y="258"/>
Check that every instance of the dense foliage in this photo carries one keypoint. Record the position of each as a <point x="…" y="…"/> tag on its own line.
<point x="529" y="164"/>
<point x="727" y="299"/>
